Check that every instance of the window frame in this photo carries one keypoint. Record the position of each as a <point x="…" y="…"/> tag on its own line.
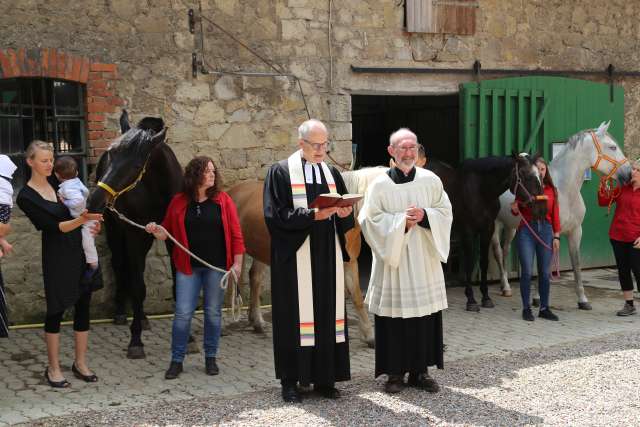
<point x="46" y="114"/>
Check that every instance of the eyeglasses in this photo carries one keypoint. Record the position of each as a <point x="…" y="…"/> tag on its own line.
<point x="411" y="148"/>
<point x="318" y="146"/>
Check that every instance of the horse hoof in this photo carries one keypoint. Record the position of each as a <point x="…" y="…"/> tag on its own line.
<point x="371" y="343"/>
<point x="258" y="329"/>
<point x="136" y="352"/>
<point x="487" y="303"/>
<point x="146" y="325"/>
<point x="536" y="302"/>
<point x="584" y="306"/>
<point x="506" y="293"/>
<point x="473" y="306"/>
<point x="120" y="319"/>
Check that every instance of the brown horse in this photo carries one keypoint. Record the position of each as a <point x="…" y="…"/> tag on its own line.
<point x="248" y="199"/>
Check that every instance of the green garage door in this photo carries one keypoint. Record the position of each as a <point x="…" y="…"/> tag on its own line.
<point x="531" y="114"/>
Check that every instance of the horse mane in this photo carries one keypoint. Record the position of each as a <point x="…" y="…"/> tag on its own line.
<point x="357" y="181"/>
<point x="487" y="164"/>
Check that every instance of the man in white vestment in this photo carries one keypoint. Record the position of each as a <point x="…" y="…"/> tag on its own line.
<point x="406" y="219"/>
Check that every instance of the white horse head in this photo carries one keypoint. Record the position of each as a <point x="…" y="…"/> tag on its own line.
<point x="357" y="181"/>
<point x="597" y="149"/>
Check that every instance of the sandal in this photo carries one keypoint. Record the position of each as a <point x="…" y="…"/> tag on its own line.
<point x="56" y="384"/>
<point x="79" y="375"/>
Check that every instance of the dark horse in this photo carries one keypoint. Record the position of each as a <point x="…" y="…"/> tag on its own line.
<point x="138" y="156"/>
<point x="474" y="189"/>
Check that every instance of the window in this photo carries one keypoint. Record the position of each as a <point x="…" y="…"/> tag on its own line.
<point x="46" y="109"/>
<point x="441" y="16"/>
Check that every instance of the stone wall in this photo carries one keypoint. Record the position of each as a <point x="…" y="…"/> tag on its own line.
<point x="247" y="123"/>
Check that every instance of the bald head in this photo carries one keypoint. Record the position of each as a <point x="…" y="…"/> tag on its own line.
<point x="401" y="134"/>
<point x="309" y="126"/>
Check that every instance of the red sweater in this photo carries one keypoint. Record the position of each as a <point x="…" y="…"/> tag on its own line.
<point x="553" y="211"/>
<point x="625" y="226"/>
<point x="174" y="223"/>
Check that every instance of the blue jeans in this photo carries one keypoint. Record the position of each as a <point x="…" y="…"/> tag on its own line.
<point x="528" y="246"/>
<point x="187" y="293"/>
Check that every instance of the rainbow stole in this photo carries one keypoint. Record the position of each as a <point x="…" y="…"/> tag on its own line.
<point x="303" y="259"/>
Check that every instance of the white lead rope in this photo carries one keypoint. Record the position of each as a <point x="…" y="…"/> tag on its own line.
<point x="236" y="298"/>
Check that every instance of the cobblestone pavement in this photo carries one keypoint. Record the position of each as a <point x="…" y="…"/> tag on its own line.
<point x="246" y="361"/>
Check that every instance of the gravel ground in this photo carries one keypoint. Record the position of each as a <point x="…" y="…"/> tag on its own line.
<point x="593" y="382"/>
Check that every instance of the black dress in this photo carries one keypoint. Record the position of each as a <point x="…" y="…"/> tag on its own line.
<point x="62" y="254"/>
<point x="327" y="361"/>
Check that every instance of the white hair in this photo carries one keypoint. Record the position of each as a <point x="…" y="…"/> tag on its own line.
<point x="306" y="127"/>
<point x="400" y="134"/>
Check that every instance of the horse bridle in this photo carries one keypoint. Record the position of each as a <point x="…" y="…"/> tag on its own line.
<point x="530" y="197"/>
<point x="602" y="156"/>
<point x="115" y="194"/>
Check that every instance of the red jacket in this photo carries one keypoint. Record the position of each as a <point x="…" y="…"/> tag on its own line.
<point x="174" y="223"/>
<point x="553" y="210"/>
<point x="625" y="226"/>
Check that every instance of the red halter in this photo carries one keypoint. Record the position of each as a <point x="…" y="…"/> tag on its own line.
<point x="608" y="184"/>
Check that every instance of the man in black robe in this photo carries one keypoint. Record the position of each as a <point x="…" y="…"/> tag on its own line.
<point x="320" y="355"/>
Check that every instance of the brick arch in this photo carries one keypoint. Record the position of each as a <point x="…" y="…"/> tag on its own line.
<point x="99" y="78"/>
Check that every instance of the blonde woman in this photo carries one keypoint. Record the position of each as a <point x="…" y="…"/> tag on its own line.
<point x="62" y="263"/>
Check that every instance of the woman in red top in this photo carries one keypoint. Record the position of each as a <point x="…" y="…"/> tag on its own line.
<point x="625" y="235"/>
<point x="548" y="230"/>
<point x="203" y="219"/>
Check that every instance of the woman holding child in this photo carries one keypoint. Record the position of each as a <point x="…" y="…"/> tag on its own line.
<point x="63" y="262"/>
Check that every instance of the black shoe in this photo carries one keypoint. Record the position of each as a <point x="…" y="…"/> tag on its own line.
<point x="175" y="368"/>
<point x="547" y="314"/>
<point x="527" y="315"/>
<point x="290" y="394"/>
<point x="210" y="366"/>
<point x="56" y="384"/>
<point x="328" y="391"/>
<point x="424" y="382"/>
<point x="395" y="384"/>
<point x="79" y="375"/>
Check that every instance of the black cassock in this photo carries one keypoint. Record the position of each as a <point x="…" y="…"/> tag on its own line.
<point x="413" y="344"/>
<point x="327" y="361"/>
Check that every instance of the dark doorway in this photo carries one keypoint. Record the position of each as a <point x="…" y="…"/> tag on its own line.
<point x="434" y="118"/>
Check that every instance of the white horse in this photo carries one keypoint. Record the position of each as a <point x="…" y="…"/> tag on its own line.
<point x="592" y="148"/>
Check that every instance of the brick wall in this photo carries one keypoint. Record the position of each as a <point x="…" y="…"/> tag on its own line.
<point x="98" y="77"/>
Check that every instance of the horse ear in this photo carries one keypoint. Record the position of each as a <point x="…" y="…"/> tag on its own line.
<point x="124" y="122"/>
<point x="602" y="129"/>
<point x="159" y="137"/>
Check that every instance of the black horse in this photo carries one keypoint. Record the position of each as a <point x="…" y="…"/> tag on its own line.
<point x="141" y="158"/>
<point x="474" y="189"/>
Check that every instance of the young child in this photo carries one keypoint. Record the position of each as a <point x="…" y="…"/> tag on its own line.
<point x="7" y="168"/>
<point x="74" y="194"/>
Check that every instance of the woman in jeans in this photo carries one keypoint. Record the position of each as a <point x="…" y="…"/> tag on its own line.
<point x="548" y="230"/>
<point x="625" y="235"/>
<point x="203" y="219"/>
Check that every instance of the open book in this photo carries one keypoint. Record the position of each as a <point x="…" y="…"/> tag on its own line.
<point x="332" y="199"/>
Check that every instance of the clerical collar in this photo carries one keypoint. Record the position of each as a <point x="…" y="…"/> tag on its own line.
<point x="399" y="177"/>
<point x="309" y="170"/>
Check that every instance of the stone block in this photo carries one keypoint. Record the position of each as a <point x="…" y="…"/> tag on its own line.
<point x="241" y="115"/>
<point x="209" y="112"/>
<point x="225" y="88"/>
<point x="293" y="29"/>
<point x="215" y="131"/>
<point x="340" y="131"/>
<point x="239" y="136"/>
<point x="193" y="91"/>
